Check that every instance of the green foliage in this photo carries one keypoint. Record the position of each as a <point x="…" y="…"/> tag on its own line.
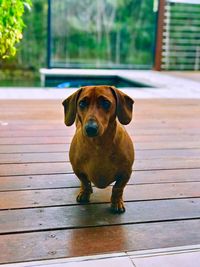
<point x="11" y="25"/>
<point x="87" y="33"/>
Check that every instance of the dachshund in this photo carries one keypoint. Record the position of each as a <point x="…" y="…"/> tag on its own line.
<point x="101" y="151"/>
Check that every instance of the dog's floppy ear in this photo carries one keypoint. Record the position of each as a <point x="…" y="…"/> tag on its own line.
<point x="124" y="106"/>
<point x="70" y="107"/>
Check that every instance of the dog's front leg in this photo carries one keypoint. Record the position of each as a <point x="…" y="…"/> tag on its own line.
<point x="117" y="203"/>
<point x="85" y="189"/>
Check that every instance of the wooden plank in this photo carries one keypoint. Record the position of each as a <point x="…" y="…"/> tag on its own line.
<point x="163" y="120"/>
<point x="28" y="220"/>
<point x="34" y="133"/>
<point x="54" y="113"/>
<point x="33" y="148"/>
<point x="52" y="181"/>
<point x="67" y="196"/>
<point x="35" y="168"/>
<point x="173" y="154"/>
<point x="34" y="140"/>
<point x="167" y="153"/>
<point x="164" y="126"/>
<point x="67" y="140"/>
<point x="34" y="157"/>
<point x="49" y="110"/>
<point x="65" y="167"/>
<point x="171" y="109"/>
<point x="43" y="104"/>
<point x="66" y="133"/>
<point x="79" y="242"/>
<point x="40" y="148"/>
<point x="56" y="108"/>
<point x="166" y="106"/>
<point x="140" y="120"/>
<point x="164" y="164"/>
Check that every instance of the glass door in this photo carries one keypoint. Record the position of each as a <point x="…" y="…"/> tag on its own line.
<point x="102" y="33"/>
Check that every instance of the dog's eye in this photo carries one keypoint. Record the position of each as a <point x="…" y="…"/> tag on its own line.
<point x="105" y="104"/>
<point x="83" y="104"/>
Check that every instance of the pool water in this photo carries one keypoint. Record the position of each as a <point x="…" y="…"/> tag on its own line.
<point x="78" y="81"/>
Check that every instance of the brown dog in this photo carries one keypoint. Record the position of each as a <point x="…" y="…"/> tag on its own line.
<point x="101" y="151"/>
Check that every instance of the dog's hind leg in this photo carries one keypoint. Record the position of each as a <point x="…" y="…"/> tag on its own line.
<point x="85" y="189"/>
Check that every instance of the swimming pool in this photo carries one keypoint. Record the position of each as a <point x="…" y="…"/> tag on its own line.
<point x="78" y="81"/>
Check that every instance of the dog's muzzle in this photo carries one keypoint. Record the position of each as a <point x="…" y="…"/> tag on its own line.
<point x="91" y="128"/>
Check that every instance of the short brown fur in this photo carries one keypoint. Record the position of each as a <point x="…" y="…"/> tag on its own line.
<point x="107" y="157"/>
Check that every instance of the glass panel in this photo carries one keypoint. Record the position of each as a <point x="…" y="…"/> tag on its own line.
<point x="102" y="33"/>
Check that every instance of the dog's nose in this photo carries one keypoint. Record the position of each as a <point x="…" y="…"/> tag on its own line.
<point x="91" y="128"/>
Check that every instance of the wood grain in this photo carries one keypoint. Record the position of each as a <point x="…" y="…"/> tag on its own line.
<point x="50" y="181"/>
<point x="67" y="196"/>
<point x="39" y="216"/>
<point x="87" y="241"/>
<point x="29" y="220"/>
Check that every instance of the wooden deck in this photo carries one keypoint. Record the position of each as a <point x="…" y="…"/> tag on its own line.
<point x="39" y="217"/>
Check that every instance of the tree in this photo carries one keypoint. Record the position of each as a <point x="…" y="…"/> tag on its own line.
<point x="11" y="25"/>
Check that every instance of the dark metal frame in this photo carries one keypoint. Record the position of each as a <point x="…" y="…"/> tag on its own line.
<point x="49" y="35"/>
<point x="159" y="36"/>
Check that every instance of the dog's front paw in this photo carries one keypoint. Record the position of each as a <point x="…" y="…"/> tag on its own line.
<point x="118" y="207"/>
<point x="83" y="197"/>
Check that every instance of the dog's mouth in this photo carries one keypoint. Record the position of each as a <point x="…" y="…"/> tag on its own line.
<point x="91" y="128"/>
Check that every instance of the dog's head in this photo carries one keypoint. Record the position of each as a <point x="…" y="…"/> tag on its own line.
<point x="96" y="107"/>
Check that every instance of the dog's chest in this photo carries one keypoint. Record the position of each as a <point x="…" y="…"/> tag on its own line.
<point x="97" y="162"/>
<point x="102" y="160"/>
<point x="101" y="170"/>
